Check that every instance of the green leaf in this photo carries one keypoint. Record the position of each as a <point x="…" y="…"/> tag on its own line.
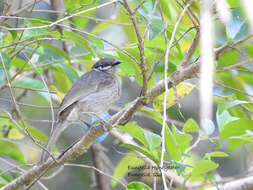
<point x="39" y="32"/>
<point x="226" y="105"/>
<point x="236" y="128"/>
<point x="229" y="58"/>
<point x="32" y="83"/>
<point x="180" y="167"/>
<point x="152" y="114"/>
<point x="36" y="133"/>
<point x="233" y="27"/>
<point x="203" y="166"/>
<point x="242" y="33"/>
<point x="182" y="90"/>
<point x="125" y="165"/>
<point x="5" y="59"/>
<point x="234" y="144"/>
<point x="57" y="50"/>
<point x="15" y="134"/>
<point x="183" y="140"/>
<point x="249" y="49"/>
<point x="70" y="72"/>
<point x="3" y="181"/>
<point x="135" y="185"/>
<point x="78" y="40"/>
<point x="135" y="131"/>
<point x="215" y="154"/>
<point x="99" y="44"/>
<point x="153" y="140"/>
<point x="190" y="126"/>
<point x="171" y="145"/>
<point x="148" y="139"/>
<point x="12" y="150"/>
<point x="223" y="117"/>
<point x="155" y="27"/>
<point x="140" y="150"/>
<point x="13" y="32"/>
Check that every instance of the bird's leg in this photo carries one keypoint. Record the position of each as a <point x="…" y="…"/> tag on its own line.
<point x="86" y="123"/>
<point x="97" y="121"/>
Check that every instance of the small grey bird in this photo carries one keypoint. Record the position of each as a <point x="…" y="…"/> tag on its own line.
<point x="92" y="94"/>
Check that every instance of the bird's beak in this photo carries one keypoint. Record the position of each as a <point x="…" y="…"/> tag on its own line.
<point x="116" y="63"/>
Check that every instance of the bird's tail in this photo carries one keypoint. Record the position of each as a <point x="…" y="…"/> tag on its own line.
<point x="58" y="129"/>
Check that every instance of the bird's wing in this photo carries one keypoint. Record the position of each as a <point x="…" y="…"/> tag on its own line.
<point x="81" y="89"/>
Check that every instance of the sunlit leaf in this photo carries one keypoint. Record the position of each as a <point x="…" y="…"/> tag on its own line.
<point x="72" y="36"/>
<point x="32" y="83"/>
<point x="236" y="128"/>
<point x="203" y="166"/>
<point x="182" y="90"/>
<point x="172" y="146"/>
<point x="15" y="134"/>
<point x="216" y="154"/>
<point x="223" y="117"/>
<point x="136" y="185"/>
<point x="135" y="131"/>
<point x="140" y="150"/>
<point x="125" y="165"/>
<point x="153" y="140"/>
<point x="12" y="150"/>
<point x="190" y="126"/>
<point x="5" y="61"/>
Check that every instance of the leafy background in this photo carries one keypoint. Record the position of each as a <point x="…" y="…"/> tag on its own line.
<point x="41" y="53"/>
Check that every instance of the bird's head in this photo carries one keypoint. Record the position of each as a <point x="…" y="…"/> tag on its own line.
<point x="106" y="65"/>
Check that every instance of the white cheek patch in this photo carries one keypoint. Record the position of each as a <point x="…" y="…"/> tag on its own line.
<point x="105" y="68"/>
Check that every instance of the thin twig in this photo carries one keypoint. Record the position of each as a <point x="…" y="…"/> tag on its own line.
<point x="31" y="89"/>
<point x="140" y="47"/>
<point x="28" y="105"/>
<point x="6" y="11"/>
<point x="94" y="168"/>
<point x="138" y="6"/>
<point x="45" y="84"/>
<point x="191" y="50"/>
<point x="167" y="51"/>
<point x="234" y="89"/>
<point x="149" y="21"/>
<point x="23" y="9"/>
<point x="77" y="30"/>
<point x="230" y="67"/>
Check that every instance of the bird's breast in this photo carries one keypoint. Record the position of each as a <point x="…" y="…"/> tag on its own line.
<point x="102" y="100"/>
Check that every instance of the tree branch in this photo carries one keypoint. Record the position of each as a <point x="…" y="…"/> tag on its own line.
<point x="122" y="117"/>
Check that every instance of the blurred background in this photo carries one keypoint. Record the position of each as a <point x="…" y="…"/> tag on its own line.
<point x="112" y="24"/>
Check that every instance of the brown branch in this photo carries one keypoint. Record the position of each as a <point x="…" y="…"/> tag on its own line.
<point x="225" y="48"/>
<point x="191" y="50"/>
<point x="121" y="117"/>
<point x="242" y="184"/>
<point x="23" y="9"/>
<point x="98" y="163"/>
<point x="6" y="11"/>
<point x="140" y="47"/>
<point x="59" y="5"/>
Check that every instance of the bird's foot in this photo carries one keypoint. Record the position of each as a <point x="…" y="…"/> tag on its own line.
<point x="99" y="123"/>
<point x="99" y="120"/>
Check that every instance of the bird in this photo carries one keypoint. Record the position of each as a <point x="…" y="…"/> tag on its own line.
<point x="91" y="95"/>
